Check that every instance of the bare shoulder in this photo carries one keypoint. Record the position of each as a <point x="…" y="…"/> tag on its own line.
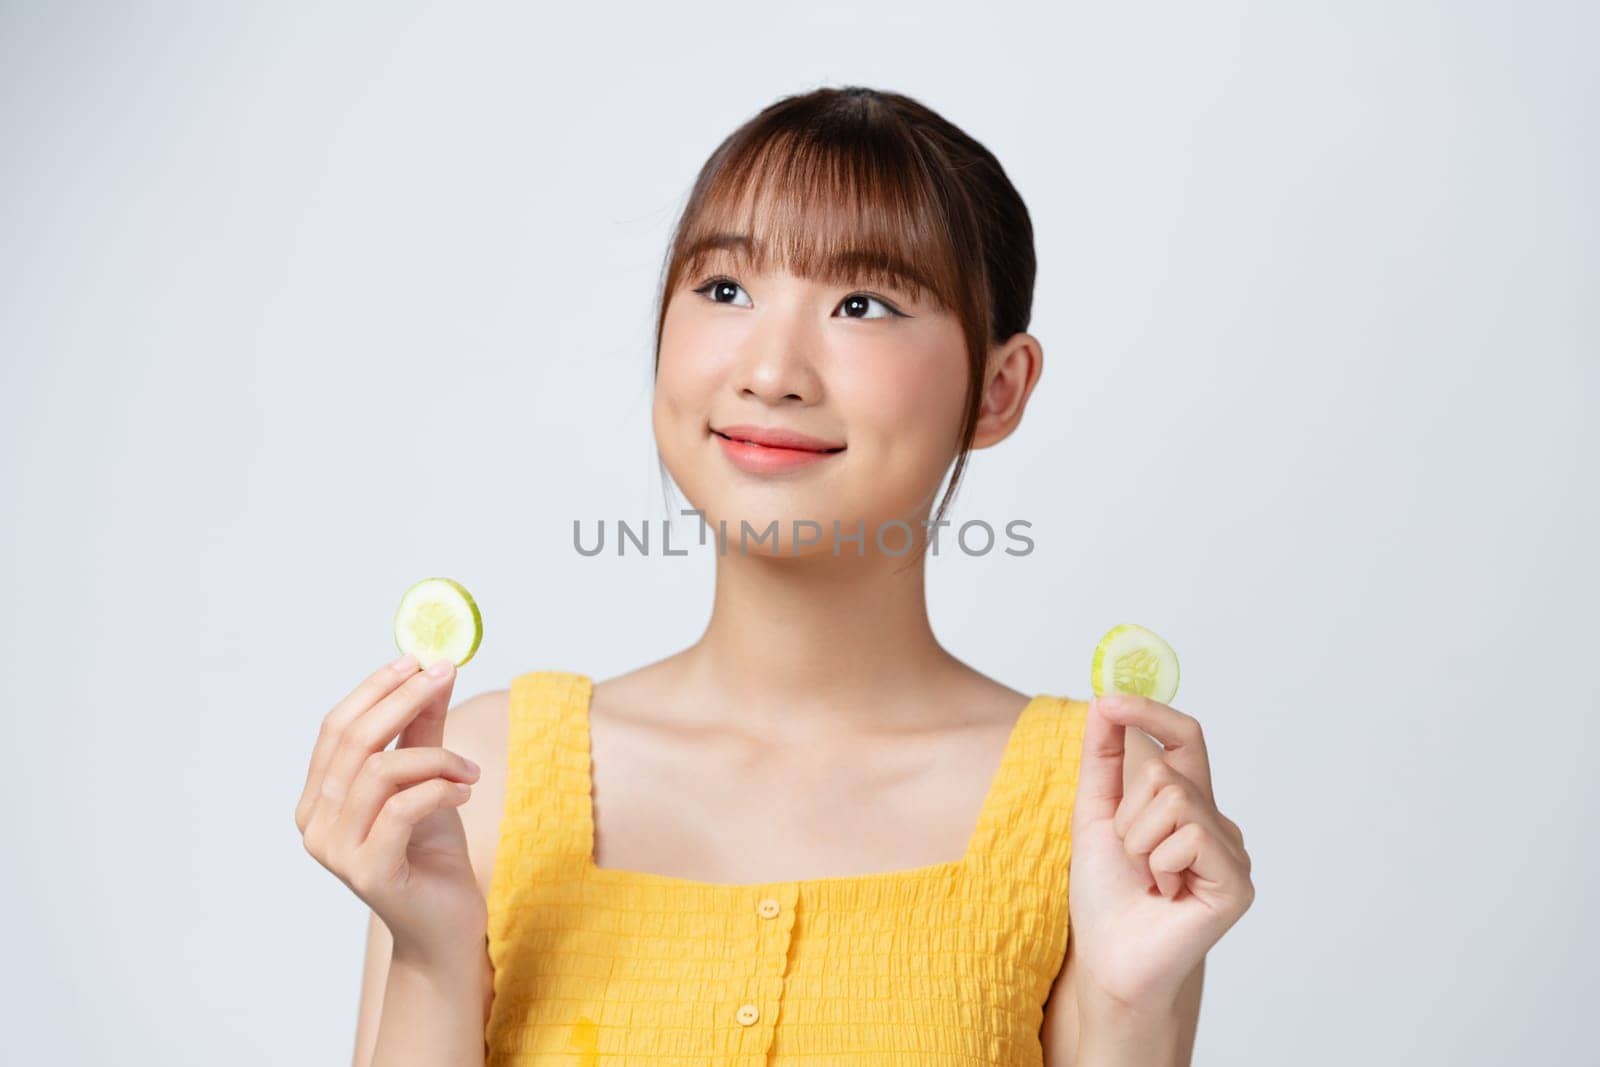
<point x="476" y="728"/>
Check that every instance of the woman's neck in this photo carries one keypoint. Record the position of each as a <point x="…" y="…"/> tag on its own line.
<point x="820" y="642"/>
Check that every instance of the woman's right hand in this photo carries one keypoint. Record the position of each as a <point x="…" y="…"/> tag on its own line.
<point x="385" y="820"/>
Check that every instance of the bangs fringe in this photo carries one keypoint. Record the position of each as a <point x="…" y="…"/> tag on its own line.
<point x="862" y="210"/>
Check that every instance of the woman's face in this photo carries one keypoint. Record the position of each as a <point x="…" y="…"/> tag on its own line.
<point x="781" y="352"/>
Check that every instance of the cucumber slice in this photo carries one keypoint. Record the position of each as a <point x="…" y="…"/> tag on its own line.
<point x="438" y="619"/>
<point x="1132" y="659"/>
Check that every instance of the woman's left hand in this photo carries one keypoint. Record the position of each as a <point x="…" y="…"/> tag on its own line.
<point x="1158" y="875"/>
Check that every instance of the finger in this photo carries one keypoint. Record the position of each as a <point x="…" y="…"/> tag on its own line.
<point x="1099" y="766"/>
<point x="1196" y="855"/>
<point x="1175" y="805"/>
<point x="377" y="685"/>
<point x="1178" y="733"/>
<point x="1148" y="781"/>
<point x="1186" y="804"/>
<point x="385" y="847"/>
<point x="372" y="731"/>
<point x="1159" y="819"/>
<point x="384" y="774"/>
<point x="1168" y="883"/>
<point x="427" y="729"/>
<point x="1232" y="829"/>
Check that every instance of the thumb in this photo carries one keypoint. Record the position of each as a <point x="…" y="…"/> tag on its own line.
<point x="1100" y="767"/>
<point x="426" y="730"/>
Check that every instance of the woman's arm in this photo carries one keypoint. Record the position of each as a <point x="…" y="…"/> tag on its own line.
<point x="383" y="985"/>
<point x="1063" y="1038"/>
<point x="433" y="1012"/>
<point x="374" y="975"/>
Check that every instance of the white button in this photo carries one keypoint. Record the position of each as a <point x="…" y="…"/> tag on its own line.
<point x="768" y="909"/>
<point x="748" y="1014"/>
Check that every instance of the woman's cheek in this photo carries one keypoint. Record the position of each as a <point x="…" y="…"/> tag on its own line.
<point x="909" y="455"/>
<point x="909" y="402"/>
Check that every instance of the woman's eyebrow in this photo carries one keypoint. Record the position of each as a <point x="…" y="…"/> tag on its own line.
<point x="847" y="264"/>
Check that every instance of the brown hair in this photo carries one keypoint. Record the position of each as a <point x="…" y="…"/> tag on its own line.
<point x="854" y="184"/>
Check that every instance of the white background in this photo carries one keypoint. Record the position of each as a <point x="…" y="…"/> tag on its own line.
<point x="300" y="303"/>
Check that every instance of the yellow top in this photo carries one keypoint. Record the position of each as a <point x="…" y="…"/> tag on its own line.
<point x="946" y="964"/>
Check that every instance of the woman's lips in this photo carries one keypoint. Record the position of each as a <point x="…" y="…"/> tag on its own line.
<point x="768" y="459"/>
<point x="776" y="437"/>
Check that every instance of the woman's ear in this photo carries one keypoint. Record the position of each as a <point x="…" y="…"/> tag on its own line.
<point x="1013" y="370"/>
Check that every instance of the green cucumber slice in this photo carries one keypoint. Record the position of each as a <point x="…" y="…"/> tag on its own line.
<point x="438" y="619"/>
<point x="1132" y="659"/>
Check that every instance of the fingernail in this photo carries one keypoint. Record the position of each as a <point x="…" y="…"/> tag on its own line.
<point x="405" y="663"/>
<point x="440" y="669"/>
<point x="473" y="767"/>
<point x="463" y="788"/>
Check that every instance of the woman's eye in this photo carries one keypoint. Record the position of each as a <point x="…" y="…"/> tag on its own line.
<point x="856" y="300"/>
<point x="717" y="288"/>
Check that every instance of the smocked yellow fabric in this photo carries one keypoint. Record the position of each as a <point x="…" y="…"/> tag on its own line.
<point x="948" y="964"/>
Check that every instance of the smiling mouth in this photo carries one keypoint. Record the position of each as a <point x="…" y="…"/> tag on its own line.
<point x="777" y="448"/>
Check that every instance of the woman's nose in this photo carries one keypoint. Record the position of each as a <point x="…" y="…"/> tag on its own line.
<point x="779" y="363"/>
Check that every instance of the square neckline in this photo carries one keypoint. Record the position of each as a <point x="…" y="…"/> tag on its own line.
<point x="579" y="709"/>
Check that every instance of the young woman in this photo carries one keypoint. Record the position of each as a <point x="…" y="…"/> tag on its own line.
<point x="814" y="835"/>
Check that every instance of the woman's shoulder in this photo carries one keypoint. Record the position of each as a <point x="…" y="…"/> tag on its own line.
<point x="1002" y="701"/>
